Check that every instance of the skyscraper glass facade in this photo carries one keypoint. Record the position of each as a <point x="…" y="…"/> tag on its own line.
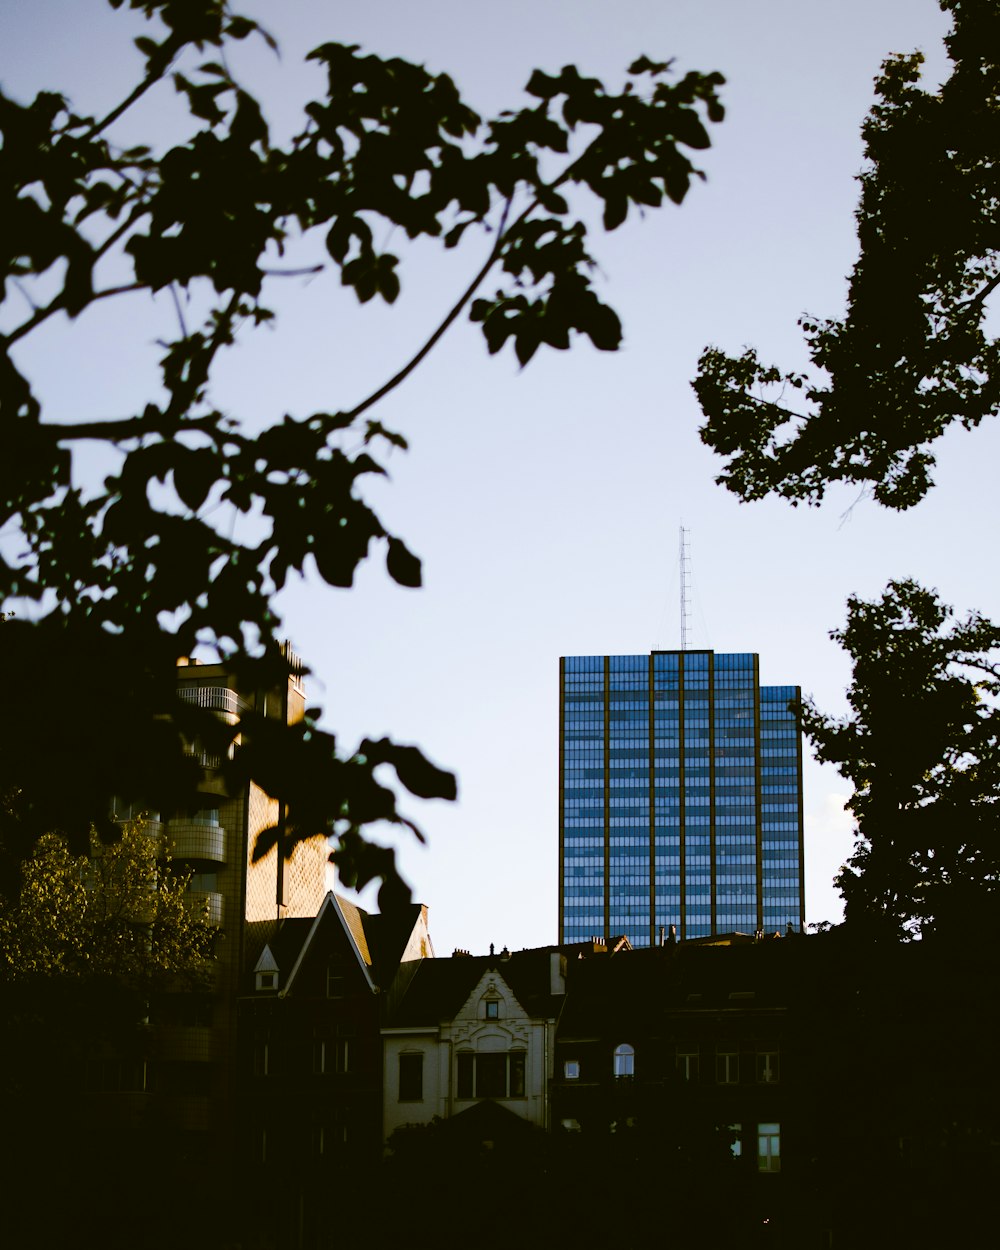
<point x="680" y="797"/>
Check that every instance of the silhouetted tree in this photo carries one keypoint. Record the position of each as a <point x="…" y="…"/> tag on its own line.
<point x="921" y="746"/>
<point x="148" y="567"/>
<point x="913" y="354"/>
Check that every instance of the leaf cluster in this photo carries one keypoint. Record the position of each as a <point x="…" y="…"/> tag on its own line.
<point x="149" y="567"/>
<point x="913" y="354"/>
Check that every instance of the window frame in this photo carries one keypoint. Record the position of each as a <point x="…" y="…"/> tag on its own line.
<point x="769" y="1157"/>
<point x="768" y="1065"/>
<point x="410" y="1075"/>
<point x="477" y="1075"/>
<point x="687" y="1062"/>
<point x="623" y="1062"/>
<point x="727" y="1065"/>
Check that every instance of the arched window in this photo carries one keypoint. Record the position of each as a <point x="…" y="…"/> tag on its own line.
<point x="624" y="1061"/>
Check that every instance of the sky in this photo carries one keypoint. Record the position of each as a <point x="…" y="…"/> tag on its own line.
<point x="546" y="502"/>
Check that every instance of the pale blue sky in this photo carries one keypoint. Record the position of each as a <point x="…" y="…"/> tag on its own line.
<point x="546" y="502"/>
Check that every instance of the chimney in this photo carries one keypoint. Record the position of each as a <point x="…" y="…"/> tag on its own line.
<point x="557" y="973"/>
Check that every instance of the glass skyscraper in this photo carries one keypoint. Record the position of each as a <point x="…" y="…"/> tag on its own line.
<point x="680" y="797"/>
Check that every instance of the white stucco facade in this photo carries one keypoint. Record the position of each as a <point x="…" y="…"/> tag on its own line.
<point x="490" y="1049"/>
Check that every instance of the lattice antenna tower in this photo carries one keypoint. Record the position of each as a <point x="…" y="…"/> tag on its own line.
<point x="685" y="585"/>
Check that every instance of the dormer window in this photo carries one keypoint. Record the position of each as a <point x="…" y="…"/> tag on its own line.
<point x="265" y="974"/>
<point x="492" y="1009"/>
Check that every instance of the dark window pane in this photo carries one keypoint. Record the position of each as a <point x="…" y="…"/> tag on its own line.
<point x="465" y="1067"/>
<point x="491" y="1076"/>
<point x="411" y="1078"/>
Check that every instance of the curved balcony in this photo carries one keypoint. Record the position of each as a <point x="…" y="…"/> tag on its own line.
<point x="192" y="839"/>
<point x="217" y="698"/>
<point x="196" y="899"/>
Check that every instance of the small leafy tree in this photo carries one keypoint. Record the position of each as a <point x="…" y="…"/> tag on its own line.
<point x="921" y="746"/>
<point x="914" y="353"/>
<point x="118" y="914"/>
<point x="129" y="576"/>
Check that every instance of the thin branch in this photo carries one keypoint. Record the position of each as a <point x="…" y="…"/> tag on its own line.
<point x="153" y="77"/>
<point x="983" y="295"/>
<point x="23" y="291"/>
<point x="54" y="305"/>
<point x="177" y="308"/>
<point x="305" y="272"/>
<point x="43" y="314"/>
<point x="787" y="413"/>
<point x="463" y="299"/>
<point x="118" y="290"/>
<point x="120" y="431"/>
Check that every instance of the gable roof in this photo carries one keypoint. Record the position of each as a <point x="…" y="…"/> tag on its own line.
<point x="353" y="918"/>
<point x="441" y="987"/>
<point x="267" y="962"/>
<point x="345" y="915"/>
<point x="377" y="942"/>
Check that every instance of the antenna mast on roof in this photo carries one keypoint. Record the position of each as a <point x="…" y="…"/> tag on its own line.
<point x="684" y="586"/>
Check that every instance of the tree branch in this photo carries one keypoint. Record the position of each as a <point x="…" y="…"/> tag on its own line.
<point x="169" y="48"/>
<point x="54" y="305"/>
<point x="119" y="431"/>
<point x="305" y="272"/>
<point x="983" y="295"/>
<point x="502" y="231"/>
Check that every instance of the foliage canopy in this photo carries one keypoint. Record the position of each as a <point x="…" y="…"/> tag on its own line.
<point x="128" y="577"/>
<point x="913" y="354"/>
<point x="921" y="746"/>
<point x="119" y="913"/>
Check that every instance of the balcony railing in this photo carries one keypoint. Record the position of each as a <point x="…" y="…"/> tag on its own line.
<point x="218" y="698"/>
<point x="190" y="839"/>
<point x="204" y="758"/>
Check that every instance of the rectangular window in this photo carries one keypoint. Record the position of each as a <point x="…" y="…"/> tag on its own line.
<point x="687" y="1062"/>
<point x="768" y="1147"/>
<point x="411" y="1077"/>
<point x="727" y="1067"/>
<point x="342" y="1054"/>
<point x="492" y="1075"/>
<point x="492" y="1010"/>
<point x="571" y="1069"/>
<point x="515" y="1069"/>
<point x="768" y="1066"/>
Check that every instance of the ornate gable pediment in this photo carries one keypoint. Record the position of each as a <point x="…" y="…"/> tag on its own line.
<point x="481" y="1027"/>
